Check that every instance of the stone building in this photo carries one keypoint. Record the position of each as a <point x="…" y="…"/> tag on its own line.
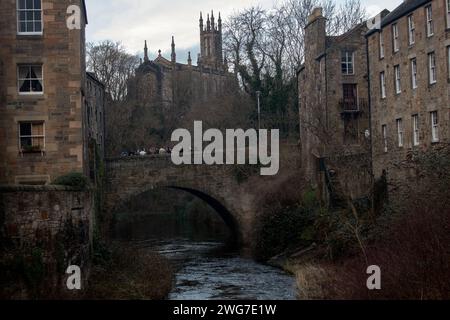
<point x="409" y="57"/>
<point x="334" y="113"/>
<point x="95" y="121"/>
<point x="166" y="82"/>
<point x="43" y="125"/>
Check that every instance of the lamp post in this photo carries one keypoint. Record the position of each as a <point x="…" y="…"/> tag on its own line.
<point x="258" y="95"/>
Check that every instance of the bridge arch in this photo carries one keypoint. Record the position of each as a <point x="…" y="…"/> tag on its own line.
<point x="215" y="185"/>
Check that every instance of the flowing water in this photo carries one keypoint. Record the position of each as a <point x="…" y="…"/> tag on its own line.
<point x="206" y="269"/>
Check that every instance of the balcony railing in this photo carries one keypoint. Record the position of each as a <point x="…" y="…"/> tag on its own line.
<point x="352" y="105"/>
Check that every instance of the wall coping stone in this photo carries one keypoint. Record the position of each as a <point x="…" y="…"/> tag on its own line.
<point x="47" y="188"/>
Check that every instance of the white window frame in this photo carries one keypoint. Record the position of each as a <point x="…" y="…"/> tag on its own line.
<point x="434" y="126"/>
<point x="349" y="61"/>
<point x="395" y="37"/>
<point x="39" y="79"/>
<point x="18" y="21"/>
<point x="32" y="136"/>
<point x="411" y="30"/>
<point x="400" y="134"/>
<point x="416" y="132"/>
<point x="414" y="73"/>
<point x="385" y="138"/>
<point x="447" y="4"/>
<point x="432" y="76"/>
<point x="397" y="79"/>
<point x="383" y="84"/>
<point x="381" y="44"/>
<point x="429" y="17"/>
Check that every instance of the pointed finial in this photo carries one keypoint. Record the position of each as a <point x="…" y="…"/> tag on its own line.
<point x="208" y="24"/>
<point x="145" y="51"/>
<point x="174" y="55"/>
<point x="189" y="58"/>
<point x="201" y="21"/>
<point x="159" y="53"/>
<point x="212" y="20"/>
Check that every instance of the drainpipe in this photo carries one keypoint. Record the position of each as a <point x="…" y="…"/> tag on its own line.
<point x="370" y="122"/>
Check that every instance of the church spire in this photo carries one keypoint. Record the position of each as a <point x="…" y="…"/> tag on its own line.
<point x="201" y="21"/>
<point x="174" y="55"/>
<point x="220" y="22"/>
<point x="146" y="52"/>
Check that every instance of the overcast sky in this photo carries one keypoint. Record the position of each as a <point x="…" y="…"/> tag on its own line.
<point x="133" y="21"/>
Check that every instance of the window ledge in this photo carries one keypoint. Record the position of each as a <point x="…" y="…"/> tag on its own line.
<point x="31" y="36"/>
<point x="42" y="153"/>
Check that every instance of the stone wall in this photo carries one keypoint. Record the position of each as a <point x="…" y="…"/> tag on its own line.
<point x="51" y="224"/>
<point x="61" y="52"/>
<point x="420" y="101"/>
<point x="332" y="128"/>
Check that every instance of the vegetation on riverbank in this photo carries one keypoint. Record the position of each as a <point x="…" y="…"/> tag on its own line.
<point x="125" y="273"/>
<point x="329" y="251"/>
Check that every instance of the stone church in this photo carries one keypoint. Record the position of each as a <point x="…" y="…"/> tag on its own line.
<point x="164" y="82"/>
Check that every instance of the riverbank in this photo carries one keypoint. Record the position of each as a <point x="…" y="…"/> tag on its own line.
<point x="126" y="273"/>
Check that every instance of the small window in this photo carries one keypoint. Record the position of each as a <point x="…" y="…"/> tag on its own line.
<point x="29" y="17"/>
<point x="411" y="30"/>
<point x="397" y="79"/>
<point x="383" y="85"/>
<point x="400" y="132"/>
<point x="385" y="138"/>
<point x="448" y="61"/>
<point x="434" y="127"/>
<point x="416" y="132"/>
<point x="30" y="79"/>
<point x="429" y="15"/>
<point x="414" y="73"/>
<point x="381" y="39"/>
<point x="395" y="40"/>
<point x="447" y="6"/>
<point x="31" y="137"/>
<point x="347" y="62"/>
<point x="432" y="67"/>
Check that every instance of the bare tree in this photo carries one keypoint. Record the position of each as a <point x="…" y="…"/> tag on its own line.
<point x="112" y="65"/>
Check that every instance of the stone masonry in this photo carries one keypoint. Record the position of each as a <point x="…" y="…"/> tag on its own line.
<point x="54" y="108"/>
<point x="413" y="115"/>
<point x="334" y="113"/>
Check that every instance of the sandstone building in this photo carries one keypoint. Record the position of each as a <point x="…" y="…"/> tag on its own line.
<point x="43" y="120"/>
<point x="334" y="113"/>
<point x="167" y="82"/>
<point x="409" y="58"/>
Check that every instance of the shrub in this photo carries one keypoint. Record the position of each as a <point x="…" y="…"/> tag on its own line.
<point x="74" y="179"/>
<point x="131" y="274"/>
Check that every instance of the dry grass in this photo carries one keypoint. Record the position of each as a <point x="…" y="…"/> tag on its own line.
<point x="311" y="282"/>
<point x="131" y="274"/>
<point x="414" y="257"/>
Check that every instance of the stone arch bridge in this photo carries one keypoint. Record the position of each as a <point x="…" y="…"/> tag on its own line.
<point x="237" y="203"/>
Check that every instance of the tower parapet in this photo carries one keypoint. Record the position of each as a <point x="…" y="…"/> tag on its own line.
<point x="211" y="46"/>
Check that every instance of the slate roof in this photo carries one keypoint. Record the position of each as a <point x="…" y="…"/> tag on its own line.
<point x="402" y="10"/>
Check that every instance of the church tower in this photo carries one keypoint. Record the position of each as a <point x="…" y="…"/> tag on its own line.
<point x="211" y="42"/>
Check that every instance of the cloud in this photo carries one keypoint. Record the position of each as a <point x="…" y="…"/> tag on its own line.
<point x="133" y="21"/>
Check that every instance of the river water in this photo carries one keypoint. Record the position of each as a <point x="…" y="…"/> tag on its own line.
<point x="205" y="269"/>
